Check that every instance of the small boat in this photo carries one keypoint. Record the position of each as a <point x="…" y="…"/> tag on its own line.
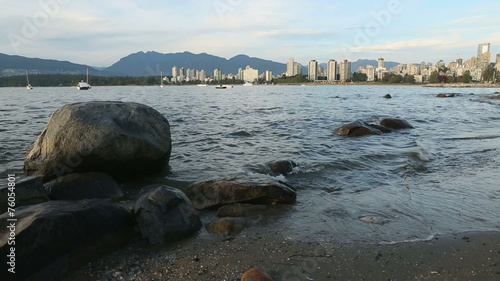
<point x="201" y="85"/>
<point x="248" y="84"/>
<point x="161" y="79"/>
<point x="28" y="86"/>
<point x="221" y="87"/>
<point x="84" y="85"/>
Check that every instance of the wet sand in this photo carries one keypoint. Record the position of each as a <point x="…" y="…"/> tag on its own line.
<point x="466" y="256"/>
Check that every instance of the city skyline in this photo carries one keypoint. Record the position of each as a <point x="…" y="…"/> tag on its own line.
<point x="399" y="30"/>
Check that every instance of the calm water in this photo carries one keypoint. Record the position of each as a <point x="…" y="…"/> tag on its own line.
<point x="441" y="177"/>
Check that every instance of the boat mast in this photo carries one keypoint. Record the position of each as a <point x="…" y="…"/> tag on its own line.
<point x="27" y="78"/>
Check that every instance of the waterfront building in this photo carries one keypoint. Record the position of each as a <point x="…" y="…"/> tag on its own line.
<point x="345" y="70"/>
<point x="380" y="63"/>
<point x="331" y="69"/>
<point x="218" y="74"/>
<point x="290" y="67"/>
<point x="483" y="48"/>
<point x="497" y="64"/>
<point x="370" y="73"/>
<point x="269" y="75"/>
<point x="312" y="71"/>
<point x="250" y="75"/>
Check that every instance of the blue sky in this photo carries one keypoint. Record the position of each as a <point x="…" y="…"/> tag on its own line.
<point x="99" y="33"/>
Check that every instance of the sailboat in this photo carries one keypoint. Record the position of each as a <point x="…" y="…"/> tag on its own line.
<point x="161" y="79"/>
<point x="28" y="86"/>
<point x="84" y="85"/>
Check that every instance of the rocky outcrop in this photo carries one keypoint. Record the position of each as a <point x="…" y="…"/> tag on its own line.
<point x="121" y="139"/>
<point x="356" y="129"/>
<point x="164" y="214"/>
<point x="361" y="128"/>
<point x="57" y="236"/>
<point x="83" y="186"/>
<point x="216" y="193"/>
<point x="395" y="123"/>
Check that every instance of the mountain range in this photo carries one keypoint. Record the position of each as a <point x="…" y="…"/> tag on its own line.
<point x="151" y="63"/>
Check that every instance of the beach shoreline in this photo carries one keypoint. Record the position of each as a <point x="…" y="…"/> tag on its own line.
<point x="464" y="256"/>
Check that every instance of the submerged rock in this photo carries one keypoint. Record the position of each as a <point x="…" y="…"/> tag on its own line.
<point x="83" y="186"/>
<point x="215" y="193"/>
<point x="395" y="123"/>
<point x="122" y="139"/>
<point x="281" y="167"/>
<point x="57" y="236"/>
<point x="356" y="129"/>
<point x="165" y="214"/>
<point x="388" y="96"/>
<point x="227" y="226"/>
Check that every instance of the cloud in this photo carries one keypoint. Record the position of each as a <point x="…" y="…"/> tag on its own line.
<point x="468" y="20"/>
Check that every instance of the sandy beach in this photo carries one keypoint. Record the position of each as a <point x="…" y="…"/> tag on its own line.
<point x="466" y="256"/>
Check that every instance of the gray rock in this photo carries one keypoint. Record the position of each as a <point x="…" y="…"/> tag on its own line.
<point x="28" y="191"/>
<point x="214" y="193"/>
<point x="83" y="186"/>
<point x="356" y="129"/>
<point x="121" y="139"/>
<point x="165" y="214"/>
<point x="57" y="236"/>
<point x="241" y="210"/>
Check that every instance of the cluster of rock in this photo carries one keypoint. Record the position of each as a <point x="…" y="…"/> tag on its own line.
<point x="362" y="128"/>
<point x="68" y="208"/>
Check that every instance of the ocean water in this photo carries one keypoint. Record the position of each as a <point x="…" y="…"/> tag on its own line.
<point x="443" y="176"/>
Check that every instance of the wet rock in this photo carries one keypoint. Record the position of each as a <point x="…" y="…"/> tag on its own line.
<point x="165" y="214"/>
<point x="255" y="274"/>
<point x="356" y="129"/>
<point x="388" y="96"/>
<point x="28" y="191"/>
<point x="395" y="123"/>
<point x="121" y="139"/>
<point x="441" y="95"/>
<point x="83" y="186"/>
<point x="240" y="210"/>
<point x="381" y="128"/>
<point x="281" y="167"/>
<point x="57" y="236"/>
<point x="215" y="193"/>
<point x="227" y="226"/>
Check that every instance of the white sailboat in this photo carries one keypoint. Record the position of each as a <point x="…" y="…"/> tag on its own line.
<point x="84" y="85"/>
<point x="28" y="86"/>
<point x="161" y="79"/>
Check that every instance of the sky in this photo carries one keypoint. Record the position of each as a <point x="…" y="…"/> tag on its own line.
<point x="99" y="33"/>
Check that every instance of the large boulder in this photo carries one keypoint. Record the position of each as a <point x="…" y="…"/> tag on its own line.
<point x="164" y="214"/>
<point x="56" y="237"/>
<point x="80" y="186"/>
<point x="356" y="129"/>
<point x="214" y="193"/>
<point x="122" y="139"/>
<point x="396" y="123"/>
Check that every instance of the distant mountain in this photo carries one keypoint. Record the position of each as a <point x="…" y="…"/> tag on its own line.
<point x="151" y="63"/>
<point x="17" y="65"/>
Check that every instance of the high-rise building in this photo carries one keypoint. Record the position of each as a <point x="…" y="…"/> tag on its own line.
<point x="175" y="71"/>
<point x="250" y="74"/>
<point x="345" y="70"/>
<point x="484" y="60"/>
<point x="370" y="73"/>
<point x="380" y="63"/>
<point x="269" y="75"/>
<point x="290" y="67"/>
<point x="483" y="48"/>
<point x="297" y="68"/>
<point x="218" y="74"/>
<point x="331" y="70"/>
<point x="497" y="64"/>
<point x="312" y="72"/>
